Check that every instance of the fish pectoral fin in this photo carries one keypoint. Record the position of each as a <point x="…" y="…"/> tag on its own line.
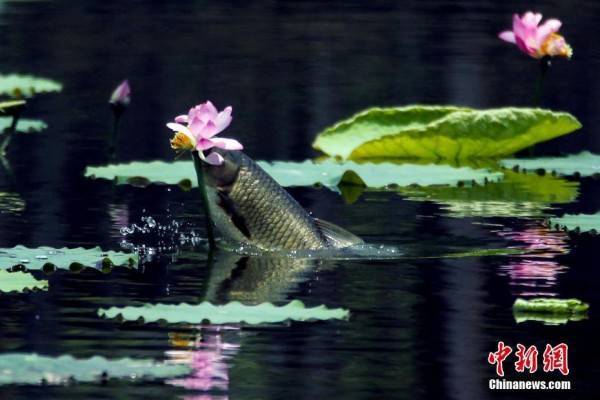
<point x="336" y="235"/>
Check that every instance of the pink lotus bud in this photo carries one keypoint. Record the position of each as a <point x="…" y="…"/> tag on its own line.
<point x="121" y="95"/>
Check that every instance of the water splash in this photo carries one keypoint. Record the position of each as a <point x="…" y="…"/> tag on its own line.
<point x="157" y="236"/>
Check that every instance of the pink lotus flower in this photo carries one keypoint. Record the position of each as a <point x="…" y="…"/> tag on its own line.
<point x="203" y="122"/>
<point x="536" y="40"/>
<point x="121" y="95"/>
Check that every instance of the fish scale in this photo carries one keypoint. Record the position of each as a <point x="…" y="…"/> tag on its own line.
<point x="272" y="215"/>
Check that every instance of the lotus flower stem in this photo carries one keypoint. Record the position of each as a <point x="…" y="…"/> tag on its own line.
<point x="7" y="135"/>
<point x="545" y="64"/>
<point x="112" y="149"/>
<point x="119" y="101"/>
<point x="200" y="174"/>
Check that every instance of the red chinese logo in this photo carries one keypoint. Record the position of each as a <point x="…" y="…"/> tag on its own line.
<point x="557" y="358"/>
<point x="554" y="358"/>
<point x="526" y="359"/>
<point x="499" y="356"/>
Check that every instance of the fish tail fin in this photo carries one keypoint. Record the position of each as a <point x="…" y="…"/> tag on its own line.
<point x="337" y="236"/>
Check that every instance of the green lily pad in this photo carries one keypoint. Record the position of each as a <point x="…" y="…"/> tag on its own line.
<point x="547" y="319"/>
<point x="24" y="125"/>
<point x="584" y="164"/>
<point x="76" y="258"/>
<point x="551" y="305"/>
<point x="517" y="195"/>
<point x="233" y="312"/>
<point x="328" y="173"/>
<point x="550" y="311"/>
<point x="19" y="281"/>
<point x="440" y="132"/>
<point x="580" y="222"/>
<point x="34" y="369"/>
<point x="144" y="173"/>
<point x="26" y="85"/>
<point x="374" y="175"/>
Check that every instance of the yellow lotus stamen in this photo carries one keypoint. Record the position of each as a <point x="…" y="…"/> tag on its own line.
<point x="181" y="142"/>
<point x="555" y="45"/>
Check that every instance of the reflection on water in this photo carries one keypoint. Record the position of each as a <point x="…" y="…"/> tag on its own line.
<point x="254" y="280"/>
<point x="11" y="203"/>
<point x="536" y="272"/>
<point x="419" y="329"/>
<point x="206" y="353"/>
<point x="119" y="216"/>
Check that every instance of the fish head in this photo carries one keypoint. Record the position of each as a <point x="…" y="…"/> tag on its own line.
<point x="219" y="181"/>
<point x="222" y="177"/>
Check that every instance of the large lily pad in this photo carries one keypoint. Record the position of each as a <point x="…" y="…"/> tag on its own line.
<point x="517" y="195"/>
<point x="33" y="369"/>
<point x="26" y="85"/>
<point x="23" y="125"/>
<point x="328" y="173"/>
<point x="233" y="312"/>
<point x="580" y="222"/>
<point x="439" y="132"/>
<point x="38" y="258"/>
<point x="550" y="311"/>
<point x="19" y="281"/>
<point x="584" y="164"/>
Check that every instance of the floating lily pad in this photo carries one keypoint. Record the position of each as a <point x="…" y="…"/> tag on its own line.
<point x="373" y="175"/>
<point x="26" y="85"/>
<point x="550" y="310"/>
<point x="439" y="132"/>
<point x="23" y="125"/>
<point x="580" y="222"/>
<point x="19" y="281"/>
<point x="328" y="173"/>
<point x="33" y="369"/>
<point x="517" y="195"/>
<point x="76" y="258"/>
<point x="233" y="312"/>
<point x="143" y="173"/>
<point x="547" y="319"/>
<point x="584" y="164"/>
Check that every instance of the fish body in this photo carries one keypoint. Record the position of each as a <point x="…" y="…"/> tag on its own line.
<point x="248" y="206"/>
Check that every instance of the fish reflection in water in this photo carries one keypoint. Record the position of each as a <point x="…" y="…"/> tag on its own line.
<point x="536" y="272"/>
<point x="255" y="279"/>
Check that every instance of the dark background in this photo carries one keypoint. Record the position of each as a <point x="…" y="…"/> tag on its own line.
<point x="420" y="329"/>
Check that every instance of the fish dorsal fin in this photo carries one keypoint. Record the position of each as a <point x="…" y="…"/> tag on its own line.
<point x="337" y="236"/>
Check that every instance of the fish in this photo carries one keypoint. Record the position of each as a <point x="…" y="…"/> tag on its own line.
<point x="247" y="206"/>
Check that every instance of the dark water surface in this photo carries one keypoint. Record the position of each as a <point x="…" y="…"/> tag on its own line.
<point x="419" y="328"/>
